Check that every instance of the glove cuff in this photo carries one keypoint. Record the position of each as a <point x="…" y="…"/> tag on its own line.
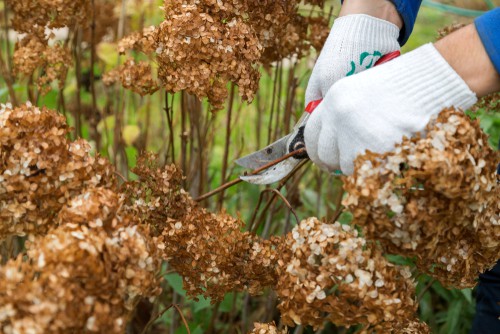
<point x="430" y="82"/>
<point x="366" y="32"/>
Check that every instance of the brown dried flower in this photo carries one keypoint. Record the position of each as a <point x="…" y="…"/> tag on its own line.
<point x="32" y="16"/>
<point x="267" y="329"/>
<point x="434" y="198"/>
<point x="201" y="46"/>
<point x="134" y="76"/>
<point x="208" y="250"/>
<point x="85" y="275"/>
<point x="40" y="169"/>
<point x="33" y="53"/>
<point x="329" y="273"/>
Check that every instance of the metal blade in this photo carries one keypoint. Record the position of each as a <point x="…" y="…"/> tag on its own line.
<point x="272" y="174"/>
<point x="270" y="153"/>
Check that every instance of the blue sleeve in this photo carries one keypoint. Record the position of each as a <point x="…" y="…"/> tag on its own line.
<point x="408" y="9"/>
<point x="488" y="28"/>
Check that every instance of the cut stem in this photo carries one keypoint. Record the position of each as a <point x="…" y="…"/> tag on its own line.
<point x="256" y="171"/>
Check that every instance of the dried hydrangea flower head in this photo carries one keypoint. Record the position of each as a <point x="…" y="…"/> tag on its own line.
<point x="41" y="169"/>
<point x="435" y="198"/>
<point x="267" y="329"/>
<point x="330" y="273"/>
<point x="208" y="250"/>
<point x="33" y="53"/>
<point x="201" y="46"/>
<point x="86" y="275"/>
<point x="112" y="243"/>
<point x="134" y="76"/>
<point x="38" y="14"/>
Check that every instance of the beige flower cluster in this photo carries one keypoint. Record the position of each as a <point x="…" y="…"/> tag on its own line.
<point x="33" y="55"/>
<point x="434" y="198"/>
<point x="137" y="77"/>
<point x="201" y="46"/>
<point x="85" y="275"/>
<point x="41" y="170"/>
<point x="267" y="329"/>
<point x="330" y="273"/>
<point x="32" y="16"/>
<point x="209" y="250"/>
<point x="95" y="249"/>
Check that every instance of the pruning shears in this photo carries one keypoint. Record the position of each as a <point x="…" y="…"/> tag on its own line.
<point x="284" y="146"/>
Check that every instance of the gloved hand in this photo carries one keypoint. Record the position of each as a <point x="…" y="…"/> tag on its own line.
<point x="373" y="110"/>
<point x="355" y="43"/>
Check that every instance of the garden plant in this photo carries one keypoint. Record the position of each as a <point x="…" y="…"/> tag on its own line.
<point x="120" y="205"/>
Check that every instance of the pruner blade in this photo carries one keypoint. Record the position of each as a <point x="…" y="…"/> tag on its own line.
<point x="278" y="149"/>
<point x="272" y="174"/>
<point x="264" y="156"/>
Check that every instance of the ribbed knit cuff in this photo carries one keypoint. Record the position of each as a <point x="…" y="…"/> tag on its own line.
<point x="429" y="81"/>
<point x="366" y="30"/>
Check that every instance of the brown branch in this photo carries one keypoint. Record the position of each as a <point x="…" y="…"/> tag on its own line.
<point x="292" y="210"/>
<point x="6" y="73"/>
<point x="255" y="172"/>
<point x="425" y="289"/>
<point x="182" y="317"/>
<point x="153" y="319"/>
<point x="226" y="146"/>
<point x="268" y="204"/>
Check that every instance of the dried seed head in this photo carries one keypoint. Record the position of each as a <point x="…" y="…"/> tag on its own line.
<point x="434" y="198"/>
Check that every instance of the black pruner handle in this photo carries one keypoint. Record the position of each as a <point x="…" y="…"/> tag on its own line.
<point x="297" y="143"/>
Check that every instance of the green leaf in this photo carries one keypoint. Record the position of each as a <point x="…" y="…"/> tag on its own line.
<point x="4" y="92"/>
<point x="175" y="281"/>
<point x="467" y="293"/>
<point x="345" y="218"/>
<point x="131" y="153"/>
<point x="227" y="304"/>
<point x="108" y="54"/>
<point x="107" y="123"/>
<point x="399" y="259"/>
<point x="453" y="317"/>
<point x="202" y="304"/>
<point x="130" y="133"/>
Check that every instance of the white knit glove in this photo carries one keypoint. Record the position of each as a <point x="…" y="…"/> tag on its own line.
<point x="373" y="110"/>
<point x="355" y="43"/>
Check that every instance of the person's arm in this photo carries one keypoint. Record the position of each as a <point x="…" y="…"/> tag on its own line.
<point x="466" y="52"/>
<point x="376" y="108"/>
<point x="402" y="13"/>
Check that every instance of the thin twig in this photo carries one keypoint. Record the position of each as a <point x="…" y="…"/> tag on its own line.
<point x="292" y="210"/>
<point x="6" y="73"/>
<point x="182" y="317"/>
<point x="256" y="210"/>
<point x="257" y="171"/>
<point x="77" y="54"/>
<point x="270" y="201"/>
<point x="226" y="146"/>
<point x="425" y="289"/>
<point x="153" y="319"/>
<point x="121" y="176"/>
<point x="92" y="75"/>
<point x="337" y="214"/>
<point x="170" y="116"/>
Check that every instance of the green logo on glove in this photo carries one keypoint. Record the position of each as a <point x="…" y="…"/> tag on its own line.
<point x="366" y="61"/>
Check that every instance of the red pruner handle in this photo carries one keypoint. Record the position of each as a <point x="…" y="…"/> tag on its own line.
<point x="388" y="57"/>
<point x="384" y="59"/>
<point x="312" y="105"/>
